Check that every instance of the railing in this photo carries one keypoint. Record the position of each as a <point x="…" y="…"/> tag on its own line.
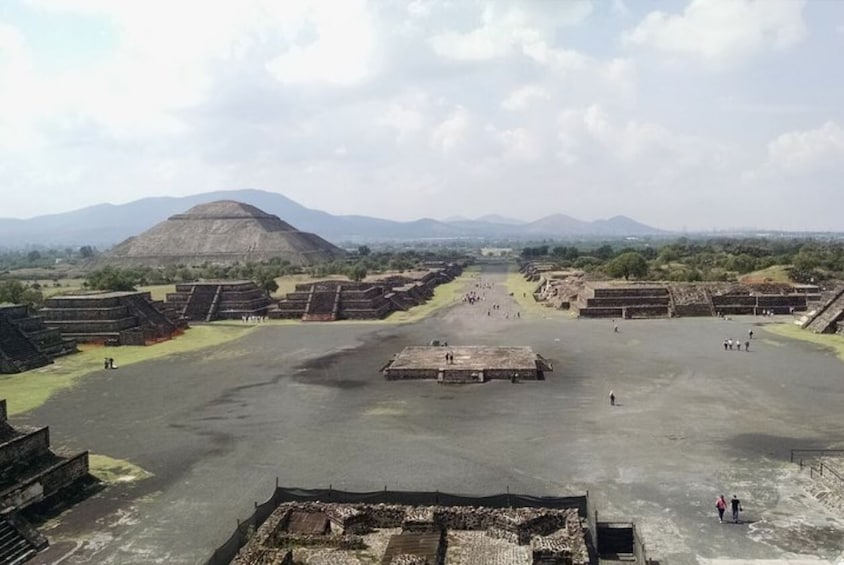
<point x="821" y="467"/>
<point x="794" y="452"/>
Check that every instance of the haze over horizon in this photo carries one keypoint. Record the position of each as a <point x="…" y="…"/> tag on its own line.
<point x="696" y="115"/>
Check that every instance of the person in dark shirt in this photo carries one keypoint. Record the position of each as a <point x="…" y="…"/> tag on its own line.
<point x="735" y="506"/>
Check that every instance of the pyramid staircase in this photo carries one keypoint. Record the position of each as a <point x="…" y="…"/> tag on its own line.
<point x="826" y="318"/>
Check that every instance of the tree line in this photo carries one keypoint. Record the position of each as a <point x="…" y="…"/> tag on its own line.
<point x="718" y="259"/>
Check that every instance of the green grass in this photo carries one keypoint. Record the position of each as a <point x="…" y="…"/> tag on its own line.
<point x="31" y="389"/>
<point x="114" y="471"/>
<point x="774" y="274"/>
<point x="832" y="341"/>
<point x="67" y="286"/>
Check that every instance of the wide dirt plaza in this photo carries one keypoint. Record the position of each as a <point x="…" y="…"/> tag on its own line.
<point x="307" y="403"/>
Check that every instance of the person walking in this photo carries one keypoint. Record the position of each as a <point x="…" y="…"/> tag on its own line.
<point x="750" y="334"/>
<point x="735" y="506"/>
<point x="612" y="398"/>
<point x="721" y="505"/>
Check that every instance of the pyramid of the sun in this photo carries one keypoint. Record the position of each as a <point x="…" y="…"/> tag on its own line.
<point x="222" y="232"/>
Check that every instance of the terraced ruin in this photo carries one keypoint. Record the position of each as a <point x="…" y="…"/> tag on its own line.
<point x="116" y="318"/>
<point x="218" y="300"/>
<point x="30" y="473"/>
<point x="330" y="300"/>
<point x="26" y="343"/>
<point x="613" y="299"/>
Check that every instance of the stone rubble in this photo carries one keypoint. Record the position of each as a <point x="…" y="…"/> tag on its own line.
<point x="549" y="535"/>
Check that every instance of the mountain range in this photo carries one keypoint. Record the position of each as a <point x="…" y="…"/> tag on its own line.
<point x="104" y="225"/>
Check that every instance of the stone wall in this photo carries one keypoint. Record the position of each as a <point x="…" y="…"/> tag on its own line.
<point x="24" y="447"/>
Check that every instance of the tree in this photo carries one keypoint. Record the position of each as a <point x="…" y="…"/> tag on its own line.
<point x="15" y="292"/>
<point x="112" y="278"/>
<point x="11" y="291"/>
<point x="357" y="272"/>
<point x="627" y="265"/>
<point x="266" y="281"/>
<point x="86" y="251"/>
<point x="33" y="255"/>
<point x="364" y="250"/>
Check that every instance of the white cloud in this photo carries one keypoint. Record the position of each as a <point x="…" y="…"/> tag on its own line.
<point x="809" y="150"/>
<point x="522" y="98"/>
<point x="646" y="147"/>
<point x="406" y="114"/>
<point x="517" y="29"/>
<point x="723" y="32"/>
<point x="451" y="132"/>
<point x="341" y="52"/>
<point x="520" y="144"/>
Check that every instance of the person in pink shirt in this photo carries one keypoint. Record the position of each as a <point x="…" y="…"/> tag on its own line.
<point x="721" y="505"/>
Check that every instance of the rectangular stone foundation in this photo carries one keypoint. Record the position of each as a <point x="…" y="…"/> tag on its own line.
<point x="467" y="364"/>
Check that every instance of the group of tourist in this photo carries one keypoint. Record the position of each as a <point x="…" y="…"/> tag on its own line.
<point x="730" y="343"/>
<point x="108" y="363"/>
<point x="253" y="319"/>
<point x="506" y="314"/>
<point x="471" y="297"/>
<point x="735" y="506"/>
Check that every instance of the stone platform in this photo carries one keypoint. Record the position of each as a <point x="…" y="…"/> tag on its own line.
<point x="467" y="364"/>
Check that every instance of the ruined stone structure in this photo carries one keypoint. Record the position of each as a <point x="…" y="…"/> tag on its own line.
<point x="30" y="472"/>
<point x="603" y="300"/>
<point x="558" y="289"/>
<point x="331" y="300"/>
<point x="612" y="299"/>
<point x="26" y="343"/>
<point x="115" y="318"/>
<point x="325" y="301"/>
<point x="829" y="318"/>
<point x="467" y="364"/>
<point x="222" y="232"/>
<point x="218" y="300"/>
<point x="393" y="534"/>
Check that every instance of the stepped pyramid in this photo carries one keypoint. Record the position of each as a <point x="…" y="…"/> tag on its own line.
<point x="224" y="231"/>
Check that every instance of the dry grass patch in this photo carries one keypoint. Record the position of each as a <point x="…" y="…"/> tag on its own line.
<point x="444" y="295"/>
<point x="522" y="291"/>
<point x="114" y="471"/>
<point x="158" y="291"/>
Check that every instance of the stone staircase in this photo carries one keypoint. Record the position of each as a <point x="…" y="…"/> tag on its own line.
<point x="826" y="318"/>
<point x="17" y="352"/>
<point x="19" y="542"/>
<point x="200" y="301"/>
<point x="322" y="305"/>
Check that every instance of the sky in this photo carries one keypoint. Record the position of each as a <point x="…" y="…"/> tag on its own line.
<point x="696" y="115"/>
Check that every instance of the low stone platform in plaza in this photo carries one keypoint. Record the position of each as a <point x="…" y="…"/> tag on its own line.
<point x="467" y="364"/>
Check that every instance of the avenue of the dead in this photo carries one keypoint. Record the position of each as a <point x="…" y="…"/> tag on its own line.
<point x="307" y="405"/>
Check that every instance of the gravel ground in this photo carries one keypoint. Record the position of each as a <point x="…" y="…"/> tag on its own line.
<point x="307" y="404"/>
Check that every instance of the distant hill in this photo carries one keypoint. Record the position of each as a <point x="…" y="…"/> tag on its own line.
<point x="104" y="225"/>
